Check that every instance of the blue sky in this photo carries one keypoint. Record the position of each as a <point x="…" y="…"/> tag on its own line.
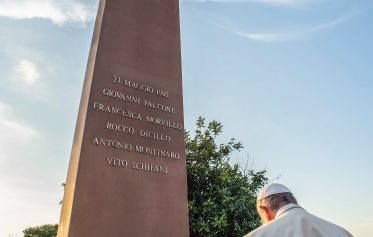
<point x="291" y="79"/>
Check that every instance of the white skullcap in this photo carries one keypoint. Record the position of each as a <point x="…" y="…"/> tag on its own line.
<point x="270" y="189"/>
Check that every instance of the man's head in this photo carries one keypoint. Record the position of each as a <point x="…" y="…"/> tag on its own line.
<point x="271" y="198"/>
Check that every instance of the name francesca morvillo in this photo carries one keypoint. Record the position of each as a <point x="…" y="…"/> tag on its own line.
<point x="133" y="115"/>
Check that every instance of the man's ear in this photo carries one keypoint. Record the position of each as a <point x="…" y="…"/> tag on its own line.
<point x="267" y="214"/>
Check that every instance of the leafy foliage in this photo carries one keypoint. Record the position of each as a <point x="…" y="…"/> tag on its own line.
<point x="41" y="231"/>
<point x="221" y="195"/>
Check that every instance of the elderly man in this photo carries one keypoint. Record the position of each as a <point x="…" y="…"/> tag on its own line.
<point x="282" y="217"/>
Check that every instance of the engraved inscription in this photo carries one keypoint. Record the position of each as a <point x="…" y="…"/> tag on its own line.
<point x="162" y="93"/>
<point x="161" y="107"/>
<point x="154" y="135"/>
<point x="140" y="86"/>
<point x="117" y="111"/>
<point x="99" y="141"/>
<point x="157" y="152"/>
<point x="121" y="96"/>
<point x="126" y="128"/>
<point x="116" y="162"/>
<point x="120" y="128"/>
<point x="161" y="169"/>
<point x="163" y="122"/>
<point x="116" y="79"/>
<point x="137" y="100"/>
<point x="112" y="143"/>
<point x="132" y="84"/>
<point x="149" y="167"/>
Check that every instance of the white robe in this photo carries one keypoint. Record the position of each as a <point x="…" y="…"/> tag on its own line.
<point x="293" y="221"/>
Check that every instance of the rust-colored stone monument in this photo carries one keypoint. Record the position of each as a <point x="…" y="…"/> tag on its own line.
<point x="127" y="174"/>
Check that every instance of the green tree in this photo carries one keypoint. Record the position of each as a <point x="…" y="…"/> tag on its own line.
<point x="221" y="195"/>
<point x="41" y="231"/>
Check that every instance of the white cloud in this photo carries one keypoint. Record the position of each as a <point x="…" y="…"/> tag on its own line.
<point x="287" y="3"/>
<point x="16" y="140"/>
<point x="28" y="71"/>
<point x="14" y="134"/>
<point x="4" y="110"/>
<point x="58" y="11"/>
<point x="26" y="186"/>
<point x="263" y="37"/>
<point x="331" y="23"/>
<point x="291" y="35"/>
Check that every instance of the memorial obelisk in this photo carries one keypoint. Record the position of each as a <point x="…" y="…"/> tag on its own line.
<point x="127" y="173"/>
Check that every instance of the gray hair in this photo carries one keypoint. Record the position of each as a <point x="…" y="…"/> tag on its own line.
<point x="276" y="201"/>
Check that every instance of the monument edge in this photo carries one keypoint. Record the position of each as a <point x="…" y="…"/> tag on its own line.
<point x="67" y="204"/>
